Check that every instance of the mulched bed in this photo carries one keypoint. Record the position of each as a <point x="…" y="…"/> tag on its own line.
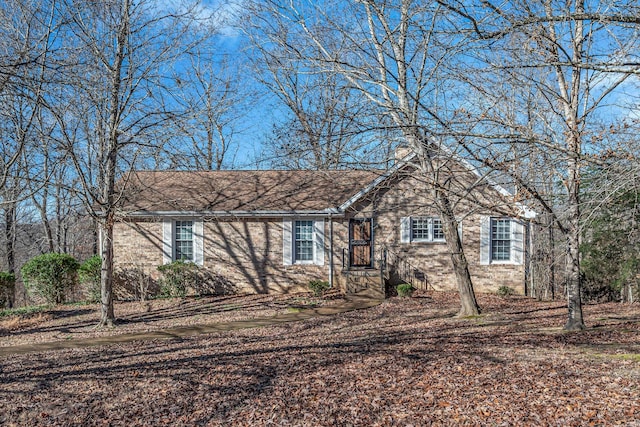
<point x="404" y="362"/>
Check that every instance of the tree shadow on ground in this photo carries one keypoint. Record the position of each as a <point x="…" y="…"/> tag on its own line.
<point x="215" y="377"/>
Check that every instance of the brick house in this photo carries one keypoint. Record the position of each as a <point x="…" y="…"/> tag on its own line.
<point x="274" y="231"/>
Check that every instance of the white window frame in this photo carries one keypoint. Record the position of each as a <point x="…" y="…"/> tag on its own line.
<point x="176" y="240"/>
<point x="493" y="239"/>
<point x="295" y="239"/>
<point x="408" y="228"/>
<point x="289" y="243"/>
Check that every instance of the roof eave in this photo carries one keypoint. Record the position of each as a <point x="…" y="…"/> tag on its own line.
<point x="330" y="212"/>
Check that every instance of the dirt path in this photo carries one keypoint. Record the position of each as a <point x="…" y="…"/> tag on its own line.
<point x="185" y="331"/>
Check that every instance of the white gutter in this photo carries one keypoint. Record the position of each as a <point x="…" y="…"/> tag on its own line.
<point x="236" y="214"/>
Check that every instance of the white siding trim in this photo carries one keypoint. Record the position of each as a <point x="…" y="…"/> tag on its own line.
<point x="485" y="240"/>
<point x="287" y="242"/>
<point x="318" y="242"/>
<point x="167" y="240"/>
<point x="198" y="241"/>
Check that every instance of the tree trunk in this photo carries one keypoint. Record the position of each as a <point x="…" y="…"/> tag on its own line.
<point x="46" y="224"/>
<point x="552" y="261"/>
<point x="110" y="155"/>
<point x="10" y="213"/>
<point x="468" y="303"/>
<point x="574" y="145"/>
<point x="60" y="221"/>
<point x="575" y="321"/>
<point x="10" y="234"/>
<point x="107" y="316"/>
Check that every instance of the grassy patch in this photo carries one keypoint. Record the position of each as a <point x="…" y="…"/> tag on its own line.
<point x="79" y="303"/>
<point x="634" y="357"/>
<point x="23" y="311"/>
<point x="473" y="317"/>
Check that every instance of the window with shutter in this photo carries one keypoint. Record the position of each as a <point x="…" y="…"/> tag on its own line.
<point x="183" y="240"/>
<point x="501" y="241"/>
<point x="303" y="241"/>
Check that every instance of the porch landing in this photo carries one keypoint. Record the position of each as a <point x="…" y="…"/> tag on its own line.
<point x="365" y="283"/>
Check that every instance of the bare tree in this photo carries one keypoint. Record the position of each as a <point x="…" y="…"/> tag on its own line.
<point x="25" y="46"/>
<point x="322" y="120"/>
<point x="390" y="52"/>
<point x="111" y="106"/>
<point x="323" y="128"/>
<point x="25" y="31"/>
<point x="214" y="97"/>
<point x="548" y="81"/>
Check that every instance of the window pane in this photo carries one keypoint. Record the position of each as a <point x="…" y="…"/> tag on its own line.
<point x="304" y="251"/>
<point x="419" y="228"/>
<point x="426" y="229"/>
<point x="304" y="241"/>
<point x="438" y="232"/>
<point x="184" y="250"/>
<point x="184" y="240"/>
<point x="500" y="239"/>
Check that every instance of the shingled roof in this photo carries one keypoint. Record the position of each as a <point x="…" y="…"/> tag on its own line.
<point x="233" y="192"/>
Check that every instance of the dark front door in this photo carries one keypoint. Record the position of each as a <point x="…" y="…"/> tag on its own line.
<point x="361" y="242"/>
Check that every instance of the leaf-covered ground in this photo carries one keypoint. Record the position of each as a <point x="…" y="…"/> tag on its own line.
<point x="404" y="362"/>
<point x="66" y="322"/>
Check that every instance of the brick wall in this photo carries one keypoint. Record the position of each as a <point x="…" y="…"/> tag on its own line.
<point x="246" y="254"/>
<point x="411" y="197"/>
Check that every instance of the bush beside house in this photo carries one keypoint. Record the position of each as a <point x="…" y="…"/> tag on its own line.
<point x="89" y="275"/>
<point x="51" y="276"/>
<point x="178" y="277"/>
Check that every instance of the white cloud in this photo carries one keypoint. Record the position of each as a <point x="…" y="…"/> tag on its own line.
<point x="219" y="16"/>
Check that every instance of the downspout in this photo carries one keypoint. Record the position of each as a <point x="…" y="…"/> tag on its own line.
<point x="330" y="251"/>
<point x="532" y="276"/>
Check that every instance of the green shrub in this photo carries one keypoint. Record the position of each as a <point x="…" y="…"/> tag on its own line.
<point x="51" y="276"/>
<point x="89" y="273"/>
<point x="505" y="291"/>
<point x="405" y="290"/>
<point x="7" y="289"/>
<point x="178" y="276"/>
<point x="318" y="287"/>
<point x="23" y="311"/>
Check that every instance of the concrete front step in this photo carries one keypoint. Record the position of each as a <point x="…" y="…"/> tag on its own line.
<point x="366" y="283"/>
<point x="369" y="294"/>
